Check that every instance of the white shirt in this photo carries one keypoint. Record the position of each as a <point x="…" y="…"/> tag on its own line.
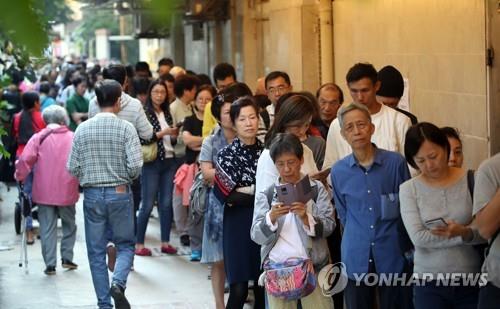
<point x="270" y="110"/>
<point x="289" y="243"/>
<point x="390" y="131"/>
<point x="167" y="143"/>
<point x="267" y="173"/>
<point x="180" y="110"/>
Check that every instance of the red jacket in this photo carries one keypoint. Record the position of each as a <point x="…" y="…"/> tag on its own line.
<point x="38" y="125"/>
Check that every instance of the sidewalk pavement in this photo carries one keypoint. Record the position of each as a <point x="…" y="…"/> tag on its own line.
<point x="160" y="281"/>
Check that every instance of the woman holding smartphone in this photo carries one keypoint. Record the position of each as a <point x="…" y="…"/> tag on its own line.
<point x="436" y="207"/>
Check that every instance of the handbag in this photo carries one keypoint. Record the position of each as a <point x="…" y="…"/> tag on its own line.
<point x="149" y="152"/>
<point x="290" y="280"/>
<point x="198" y="195"/>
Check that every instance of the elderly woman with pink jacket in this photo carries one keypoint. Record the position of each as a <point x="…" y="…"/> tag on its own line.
<point x="55" y="191"/>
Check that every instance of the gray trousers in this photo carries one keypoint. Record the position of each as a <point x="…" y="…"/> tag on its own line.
<point x="47" y="216"/>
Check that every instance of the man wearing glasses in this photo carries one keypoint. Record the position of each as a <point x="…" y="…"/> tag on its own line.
<point x="277" y="84"/>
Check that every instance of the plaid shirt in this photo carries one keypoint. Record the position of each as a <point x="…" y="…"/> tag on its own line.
<point x="106" y="152"/>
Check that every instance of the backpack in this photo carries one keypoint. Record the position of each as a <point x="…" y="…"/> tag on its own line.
<point x="198" y="195"/>
<point x="482" y="249"/>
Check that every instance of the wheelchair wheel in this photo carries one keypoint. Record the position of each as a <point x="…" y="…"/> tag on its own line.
<point x="17" y="218"/>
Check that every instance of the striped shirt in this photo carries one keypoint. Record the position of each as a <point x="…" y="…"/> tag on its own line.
<point x="106" y="152"/>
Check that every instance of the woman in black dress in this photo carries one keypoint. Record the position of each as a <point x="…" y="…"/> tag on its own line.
<point x="234" y="186"/>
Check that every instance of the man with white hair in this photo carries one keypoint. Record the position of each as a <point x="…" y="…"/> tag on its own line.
<point x="366" y="188"/>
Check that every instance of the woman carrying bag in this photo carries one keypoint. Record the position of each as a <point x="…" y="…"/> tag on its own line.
<point x="158" y="170"/>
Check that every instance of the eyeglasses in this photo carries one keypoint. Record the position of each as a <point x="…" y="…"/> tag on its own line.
<point x="278" y="90"/>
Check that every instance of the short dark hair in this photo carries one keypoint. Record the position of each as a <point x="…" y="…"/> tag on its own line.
<point x="107" y="92"/>
<point x="142" y="66"/>
<point x="262" y="100"/>
<point x="208" y="88"/>
<point x="417" y="134"/>
<point x="166" y="61"/>
<point x="392" y="84"/>
<point x="277" y="74"/>
<point x="185" y="82"/>
<point x="285" y="143"/>
<point x="223" y="70"/>
<point x="204" y="79"/>
<point x="237" y="106"/>
<point x="78" y="80"/>
<point x="141" y="85"/>
<point x="167" y="78"/>
<point x="360" y="71"/>
<point x="451" y="133"/>
<point x="331" y="86"/>
<point x="228" y="95"/>
<point x="44" y="87"/>
<point x="115" y="72"/>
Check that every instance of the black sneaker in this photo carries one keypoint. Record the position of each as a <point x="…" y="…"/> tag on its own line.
<point x="185" y="240"/>
<point x="50" y="270"/>
<point x="118" y="294"/>
<point x="68" y="264"/>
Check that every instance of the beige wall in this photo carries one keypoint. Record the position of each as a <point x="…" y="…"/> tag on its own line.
<point x="282" y="35"/>
<point x="439" y="45"/>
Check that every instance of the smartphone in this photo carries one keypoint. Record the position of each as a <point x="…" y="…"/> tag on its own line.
<point x="179" y="124"/>
<point x="286" y="194"/>
<point x="434" y="223"/>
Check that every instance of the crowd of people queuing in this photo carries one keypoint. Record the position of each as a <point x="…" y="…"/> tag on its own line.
<point x="387" y="194"/>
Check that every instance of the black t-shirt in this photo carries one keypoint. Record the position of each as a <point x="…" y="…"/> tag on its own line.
<point x="192" y="125"/>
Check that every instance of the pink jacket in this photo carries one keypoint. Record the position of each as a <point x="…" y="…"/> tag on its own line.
<point x="183" y="180"/>
<point x="52" y="183"/>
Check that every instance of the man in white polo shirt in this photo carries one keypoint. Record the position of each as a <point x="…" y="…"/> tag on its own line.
<point x="391" y="126"/>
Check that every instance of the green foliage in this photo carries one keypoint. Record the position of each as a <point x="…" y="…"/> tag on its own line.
<point x="54" y="11"/>
<point x="27" y="23"/>
<point x="4" y="117"/>
<point x="20" y="23"/>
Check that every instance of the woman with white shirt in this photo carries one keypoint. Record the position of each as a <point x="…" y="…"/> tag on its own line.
<point x="294" y="116"/>
<point x="158" y="175"/>
<point x="436" y="208"/>
<point x="296" y="231"/>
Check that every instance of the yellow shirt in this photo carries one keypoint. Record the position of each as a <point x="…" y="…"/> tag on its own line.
<point x="209" y="121"/>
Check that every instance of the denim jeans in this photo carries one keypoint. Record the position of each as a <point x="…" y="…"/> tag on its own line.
<point x="441" y="297"/>
<point x="103" y="207"/>
<point x="47" y="216"/>
<point x="157" y="177"/>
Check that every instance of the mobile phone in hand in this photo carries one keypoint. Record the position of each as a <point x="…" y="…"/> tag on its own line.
<point x="435" y="223"/>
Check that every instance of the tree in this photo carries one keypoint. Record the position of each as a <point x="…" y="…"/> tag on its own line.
<point x="24" y="32"/>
